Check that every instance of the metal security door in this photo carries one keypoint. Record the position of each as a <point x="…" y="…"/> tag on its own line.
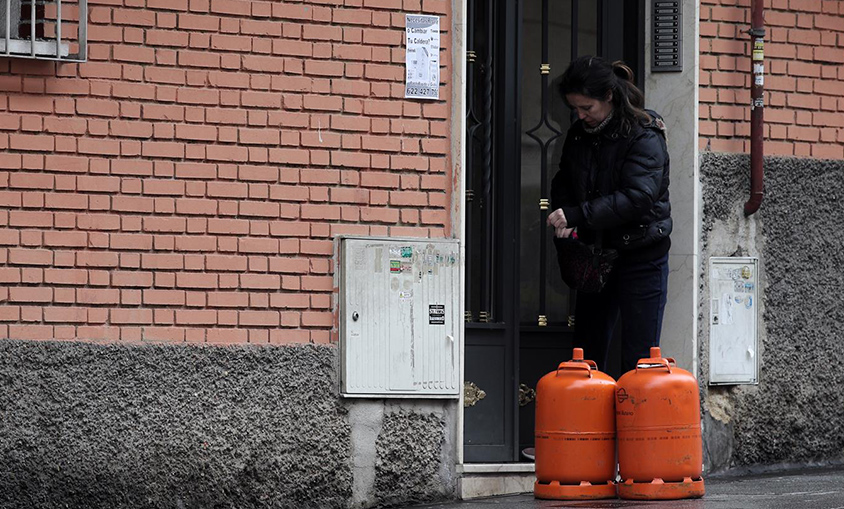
<point x="518" y="312"/>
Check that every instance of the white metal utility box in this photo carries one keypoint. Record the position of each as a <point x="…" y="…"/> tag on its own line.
<point x="733" y="317"/>
<point x="399" y="317"/>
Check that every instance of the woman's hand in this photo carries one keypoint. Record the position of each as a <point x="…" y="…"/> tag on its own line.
<point x="557" y="220"/>
<point x="563" y="233"/>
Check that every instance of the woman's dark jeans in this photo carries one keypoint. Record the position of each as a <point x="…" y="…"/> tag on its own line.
<point x="635" y="291"/>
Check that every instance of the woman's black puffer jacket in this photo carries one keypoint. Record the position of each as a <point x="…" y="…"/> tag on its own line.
<point x="616" y="181"/>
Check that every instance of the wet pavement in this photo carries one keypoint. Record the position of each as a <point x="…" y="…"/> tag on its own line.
<point x="811" y="489"/>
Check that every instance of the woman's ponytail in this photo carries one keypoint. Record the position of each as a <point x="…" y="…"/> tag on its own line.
<point x="622" y="70"/>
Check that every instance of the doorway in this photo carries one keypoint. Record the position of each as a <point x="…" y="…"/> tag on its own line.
<point x="519" y="314"/>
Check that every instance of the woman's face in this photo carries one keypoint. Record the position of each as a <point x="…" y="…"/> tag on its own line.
<point x="592" y="111"/>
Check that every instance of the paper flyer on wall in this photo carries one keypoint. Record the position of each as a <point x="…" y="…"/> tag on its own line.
<point x="422" y="60"/>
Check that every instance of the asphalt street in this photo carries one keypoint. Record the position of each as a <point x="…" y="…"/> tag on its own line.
<point x="810" y="489"/>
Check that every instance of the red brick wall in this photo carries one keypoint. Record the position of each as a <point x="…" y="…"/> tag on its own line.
<point x="804" y="77"/>
<point x="185" y="184"/>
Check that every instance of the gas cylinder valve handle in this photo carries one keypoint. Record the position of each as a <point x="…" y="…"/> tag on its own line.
<point x="651" y="363"/>
<point x="576" y="366"/>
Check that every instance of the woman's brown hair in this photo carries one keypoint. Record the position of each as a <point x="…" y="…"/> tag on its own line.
<point x="595" y="77"/>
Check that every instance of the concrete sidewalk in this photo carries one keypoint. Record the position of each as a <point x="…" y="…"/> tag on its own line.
<point x="809" y="489"/>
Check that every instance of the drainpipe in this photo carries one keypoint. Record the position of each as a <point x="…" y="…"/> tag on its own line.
<point x="757" y="107"/>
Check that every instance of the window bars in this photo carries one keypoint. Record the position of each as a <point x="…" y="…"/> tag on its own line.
<point x="44" y="29"/>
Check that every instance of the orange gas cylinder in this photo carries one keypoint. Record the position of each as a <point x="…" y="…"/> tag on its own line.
<point x="575" y="432"/>
<point x="660" y="452"/>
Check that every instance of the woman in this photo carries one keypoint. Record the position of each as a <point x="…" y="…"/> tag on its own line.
<point x="612" y="189"/>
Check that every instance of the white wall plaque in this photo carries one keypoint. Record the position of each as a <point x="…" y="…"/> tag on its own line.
<point x="422" y="60"/>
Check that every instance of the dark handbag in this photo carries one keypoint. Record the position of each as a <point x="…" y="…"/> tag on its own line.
<point x="584" y="267"/>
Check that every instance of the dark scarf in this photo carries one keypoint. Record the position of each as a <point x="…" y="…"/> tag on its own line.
<point x="598" y="128"/>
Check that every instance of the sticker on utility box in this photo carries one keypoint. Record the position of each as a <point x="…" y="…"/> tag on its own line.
<point x="436" y="314"/>
<point x="401" y="252"/>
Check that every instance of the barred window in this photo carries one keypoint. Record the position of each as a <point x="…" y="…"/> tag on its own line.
<point x="44" y="29"/>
